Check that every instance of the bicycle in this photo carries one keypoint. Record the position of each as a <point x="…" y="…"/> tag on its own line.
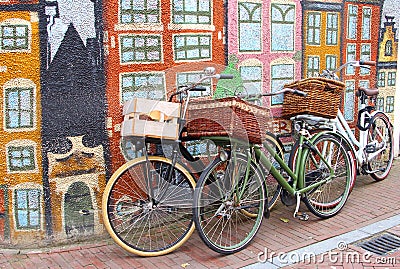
<point x="230" y="196"/>
<point x="147" y="202"/>
<point x="373" y="150"/>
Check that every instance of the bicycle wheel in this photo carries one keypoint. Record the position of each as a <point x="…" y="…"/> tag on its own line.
<point x="273" y="188"/>
<point x="345" y="143"/>
<point x="328" y="199"/>
<point x="380" y="146"/>
<point x="146" y="212"/>
<point x="229" y="203"/>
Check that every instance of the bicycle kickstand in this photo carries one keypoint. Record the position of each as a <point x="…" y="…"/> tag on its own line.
<point x="299" y="215"/>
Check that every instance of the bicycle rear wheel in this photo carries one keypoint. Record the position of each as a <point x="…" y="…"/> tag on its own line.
<point x="380" y="141"/>
<point x="229" y="204"/>
<point x="328" y="199"/>
<point x="147" y="212"/>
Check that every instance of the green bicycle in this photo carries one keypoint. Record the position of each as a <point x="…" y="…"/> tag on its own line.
<point x="230" y="198"/>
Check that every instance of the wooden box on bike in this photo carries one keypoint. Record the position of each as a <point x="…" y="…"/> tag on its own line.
<point x="228" y="117"/>
<point x="323" y="98"/>
<point x="150" y="118"/>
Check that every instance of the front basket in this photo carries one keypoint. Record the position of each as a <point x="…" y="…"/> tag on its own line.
<point x="228" y="117"/>
<point x="323" y="98"/>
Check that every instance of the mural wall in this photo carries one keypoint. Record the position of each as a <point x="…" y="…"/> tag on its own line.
<point x="68" y="66"/>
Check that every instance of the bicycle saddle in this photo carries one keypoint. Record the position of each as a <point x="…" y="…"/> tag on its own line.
<point x="368" y="92"/>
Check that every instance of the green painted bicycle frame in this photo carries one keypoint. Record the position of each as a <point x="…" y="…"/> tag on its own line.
<point x="297" y="186"/>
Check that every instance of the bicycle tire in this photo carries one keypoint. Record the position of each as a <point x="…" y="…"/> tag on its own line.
<point x="328" y="199"/>
<point x="384" y="160"/>
<point x="225" y="223"/>
<point x="149" y="221"/>
<point x="350" y="151"/>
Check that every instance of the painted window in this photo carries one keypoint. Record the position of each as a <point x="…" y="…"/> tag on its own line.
<point x="27" y="208"/>
<point x="14" y="37"/>
<point x="281" y="74"/>
<point x="252" y="79"/>
<point x="314" y="28"/>
<point x="142" y="85"/>
<point x="391" y="79"/>
<point x="352" y="22"/>
<point x="366" y="23"/>
<point x="312" y="66"/>
<point x="381" y="79"/>
<point x="332" y="28"/>
<point x="188" y="78"/>
<point x="364" y="83"/>
<point x="379" y="103"/>
<point x="21" y="158"/>
<point x="191" y="11"/>
<point x="201" y="148"/>
<point x="192" y="47"/>
<point x="282" y="27"/>
<point x="331" y="62"/>
<point x="140" y="11"/>
<point x="389" y="104"/>
<point x="19" y="108"/>
<point x="141" y="48"/>
<point x="366" y="56"/>
<point x="349" y="101"/>
<point x="249" y="26"/>
<point x="389" y="48"/>
<point x="351" y="56"/>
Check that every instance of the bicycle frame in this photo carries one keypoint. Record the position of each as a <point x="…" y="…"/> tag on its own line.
<point x="297" y="188"/>
<point x="358" y="145"/>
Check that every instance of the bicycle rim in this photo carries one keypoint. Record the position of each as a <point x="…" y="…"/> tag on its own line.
<point x="381" y="134"/>
<point x="144" y="212"/>
<point x="226" y="223"/>
<point x="328" y="199"/>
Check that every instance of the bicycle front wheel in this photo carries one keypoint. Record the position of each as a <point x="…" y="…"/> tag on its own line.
<point x="380" y="143"/>
<point x="328" y="161"/>
<point x="147" y="206"/>
<point x="229" y="203"/>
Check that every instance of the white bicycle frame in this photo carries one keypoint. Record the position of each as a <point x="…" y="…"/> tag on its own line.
<point x="339" y="124"/>
<point x="358" y="145"/>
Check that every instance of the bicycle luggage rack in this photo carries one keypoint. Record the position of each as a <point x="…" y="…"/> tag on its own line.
<point x="151" y="118"/>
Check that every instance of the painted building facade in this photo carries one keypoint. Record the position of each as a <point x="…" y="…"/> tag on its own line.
<point x="74" y="140"/>
<point x="322" y="29"/>
<point x="265" y="39"/>
<point x="360" y="41"/>
<point x="387" y="67"/>
<point x="151" y="46"/>
<point x="21" y="192"/>
<point x="68" y="67"/>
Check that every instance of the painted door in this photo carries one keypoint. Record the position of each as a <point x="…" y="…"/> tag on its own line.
<point x="78" y="209"/>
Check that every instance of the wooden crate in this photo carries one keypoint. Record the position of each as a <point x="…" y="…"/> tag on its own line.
<point x="151" y="118"/>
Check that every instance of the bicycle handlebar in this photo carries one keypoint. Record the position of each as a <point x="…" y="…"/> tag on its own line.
<point x="195" y="86"/>
<point x="370" y="63"/>
<point x="359" y="63"/>
<point x="284" y="90"/>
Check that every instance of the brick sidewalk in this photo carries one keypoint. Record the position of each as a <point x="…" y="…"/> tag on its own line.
<point x="369" y="202"/>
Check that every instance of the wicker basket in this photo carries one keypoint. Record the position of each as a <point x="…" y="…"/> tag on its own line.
<point x="323" y="98"/>
<point x="227" y="117"/>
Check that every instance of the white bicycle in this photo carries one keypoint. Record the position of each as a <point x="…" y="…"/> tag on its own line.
<point x="373" y="149"/>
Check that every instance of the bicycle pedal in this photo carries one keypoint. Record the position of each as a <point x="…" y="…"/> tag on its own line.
<point x="302" y="216"/>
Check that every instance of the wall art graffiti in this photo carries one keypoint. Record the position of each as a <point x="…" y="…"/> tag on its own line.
<point x="68" y="66"/>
